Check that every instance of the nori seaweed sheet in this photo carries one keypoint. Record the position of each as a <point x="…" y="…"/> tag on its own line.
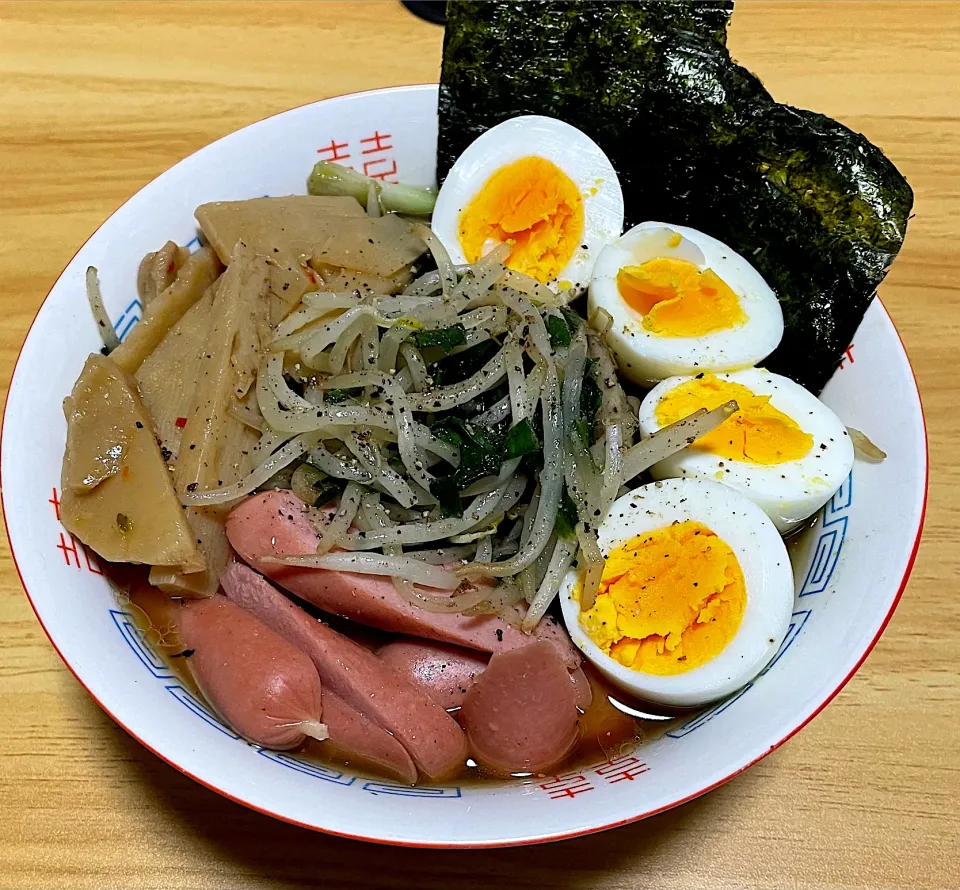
<point x="696" y="140"/>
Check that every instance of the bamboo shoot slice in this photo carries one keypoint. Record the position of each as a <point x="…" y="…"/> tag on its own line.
<point x="167" y="379"/>
<point x="193" y="278"/>
<point x="132" y="513"/>
<point x="241" y="289"/>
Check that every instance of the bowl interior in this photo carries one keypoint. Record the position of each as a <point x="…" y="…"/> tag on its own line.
<point x="849" y="570"/>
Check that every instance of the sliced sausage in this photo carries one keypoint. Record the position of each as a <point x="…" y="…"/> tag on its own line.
<point x="443" y="672"/>
<point x="446" y="672"/>
<point x="430" y="735"/>
<point x="359" y="741"/>
<point x="521" y="713"/>
<point x="263" y="686"/>
<point x="275" y="523"/>
<point x="553" y="631"/>
<point x="584" y="689"/>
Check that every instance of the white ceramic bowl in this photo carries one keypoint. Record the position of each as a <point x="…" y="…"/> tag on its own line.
<point x="850" y="573"/>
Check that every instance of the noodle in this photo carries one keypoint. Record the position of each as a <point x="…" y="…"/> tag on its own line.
<point x="445" y="271"/>
<point x="418" y="369"/>
<point x="560" y="562"/>
<point x="282" y="458"/>
<point x="372" y="564"/>
<point x="551" y="489"/>
<point x="333" y="532"/>
<point x="334" y="465"/>
<point x="425" y="532"/>
<point x="446" y="397"/>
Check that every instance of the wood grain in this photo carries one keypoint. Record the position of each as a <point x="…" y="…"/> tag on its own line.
<point x="97" y="99"/>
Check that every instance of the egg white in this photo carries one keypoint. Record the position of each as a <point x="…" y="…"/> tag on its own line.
<point x="575" y="153"/>
<point x="788" y="492"/>
<point x="767" y="574"/>
<point x="646" y="357"/>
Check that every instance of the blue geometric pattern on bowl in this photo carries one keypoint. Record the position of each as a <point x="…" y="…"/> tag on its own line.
<point x="316" y="770"/>
<point x="133" y="637"/>
<point x="128" y="318"/>
<point x="830" y="542"/>
<point x="195" y="706"/>
<point x="411" y="791"/>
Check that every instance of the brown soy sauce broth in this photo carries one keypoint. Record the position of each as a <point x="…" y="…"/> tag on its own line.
<point x="156" y="615"/>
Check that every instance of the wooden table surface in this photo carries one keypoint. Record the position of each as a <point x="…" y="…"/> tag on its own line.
<point x="98" y="99"/>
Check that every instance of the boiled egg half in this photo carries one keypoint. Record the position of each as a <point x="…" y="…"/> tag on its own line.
<point x="682" y="302"/>
<point x="784" y="449"/>
<point x="539" y="185"/>
<point x="695" y="598"/>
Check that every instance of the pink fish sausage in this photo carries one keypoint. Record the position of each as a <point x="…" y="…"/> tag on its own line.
<point x="443" y="672"/>
<point x="583" y="687"/>
<point x="359" y="741"/>
<point x="263" y="686"/>
<point x="521" y="713"/>
<point x="275" y="523"/>
<point x="430" y="735"/>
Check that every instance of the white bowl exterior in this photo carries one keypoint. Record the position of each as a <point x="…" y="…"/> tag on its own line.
<point x="841" y="606"/>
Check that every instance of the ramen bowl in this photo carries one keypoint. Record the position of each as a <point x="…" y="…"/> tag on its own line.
<point x="850" y="568"/>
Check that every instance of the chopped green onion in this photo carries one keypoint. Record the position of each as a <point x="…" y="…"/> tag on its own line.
<point x="315" y="487"/>
<point x="590" y="397"/>
<point x="447" y="493"/>
<point x="582" y="429"/>
<point x="572" y="318"/>
<point x="566" y="523"/>
<point x="559" y="331"/>
<point x="481" y="449"/>
<point x="447" y="339"/>
<point x="522" y="439"/>
<point x="462" y="365"/>
<point x="447" y="434"/>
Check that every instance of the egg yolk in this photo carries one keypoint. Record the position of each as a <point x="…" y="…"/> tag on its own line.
<point x="676" y="299"/>
<point x="532" y="205"/>
<point x="758" y="433"/>
<point x="668" y="601"/>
